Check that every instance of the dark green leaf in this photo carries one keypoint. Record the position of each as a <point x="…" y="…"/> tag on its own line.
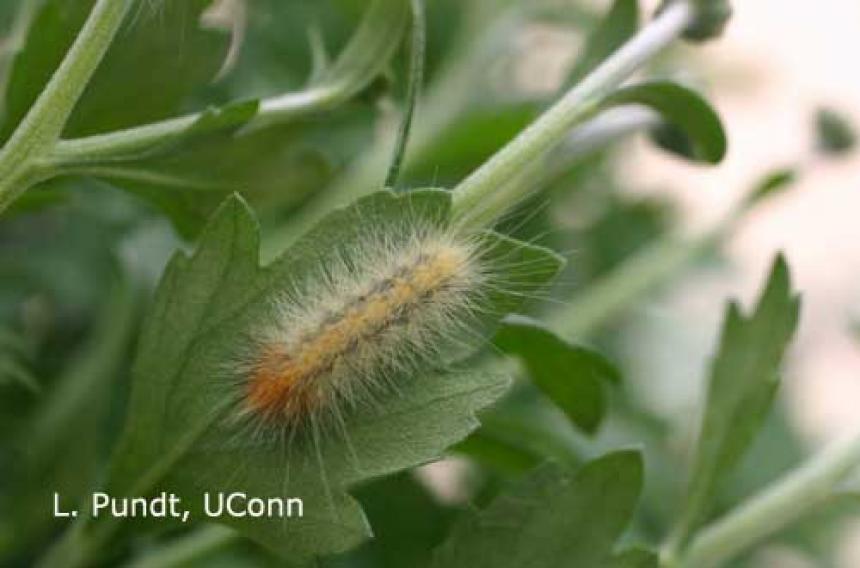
<point x="65" y="439"/>
<point x="408" y="522"/>
<point x="15" y="361"/>
<point x="274" y="166"/>
<point x="635" y="558"/>
<point x="523" y="430"/>
<point x="551" y="518"/>
<point x="617" y="27"/>
<point x="693" y="129"/>
<point x="572" y="376"/>
<point x="836" y="135"/>
<point x="772" y="184"/>
<point x="178" y="437"/>
<point x="15" y="373"/>
<point x="744" y="379"/>
<point x="275" y="169"/>
<point x="160" y="58"/>
<point x="466" y="143"/>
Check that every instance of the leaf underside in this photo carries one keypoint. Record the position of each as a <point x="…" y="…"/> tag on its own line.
<point x="176" y="438"/>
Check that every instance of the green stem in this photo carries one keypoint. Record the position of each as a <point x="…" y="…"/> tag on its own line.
<point x="35" y="152"/>
<point x="41" y="127"/>
<point x="137" y="140"/>
<point x="416" y="78"/>
<point x="347" y="76"/>
<point x="451" y="95"/>
<point x="579" y="104"/>
<point x="440" y="107"/>
<point x="598" y="132"/>
<point x="593" y="135"/>
<point x="789" y="499"/>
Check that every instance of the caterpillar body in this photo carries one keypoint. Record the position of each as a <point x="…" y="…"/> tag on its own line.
<point x="380" y="309"/>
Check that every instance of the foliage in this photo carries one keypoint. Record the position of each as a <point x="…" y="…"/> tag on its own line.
<point x="152" y="149"/>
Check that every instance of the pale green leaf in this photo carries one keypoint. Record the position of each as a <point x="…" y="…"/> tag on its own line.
<point x="178" y="436"/>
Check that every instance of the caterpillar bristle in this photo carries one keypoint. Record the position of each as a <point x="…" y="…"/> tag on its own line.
<point x="372" y="312"/>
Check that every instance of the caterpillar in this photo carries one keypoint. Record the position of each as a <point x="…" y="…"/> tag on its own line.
<point x="384" y="307"/>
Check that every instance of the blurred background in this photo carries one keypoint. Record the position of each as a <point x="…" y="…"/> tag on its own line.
<point x="777" y="63"/>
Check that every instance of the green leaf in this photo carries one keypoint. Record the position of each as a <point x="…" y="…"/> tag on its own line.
<point x="17" y="357"/>
<point x="572" y="376"/>
<point x="370" y="49"/>
<point x="771" y="185"/>
<point x="523" y="430"/>
<point x="274" y="166"/>
<point x="635" y="558"/>
<point x="551" y="518"/>
<point x="14" y="373"/>
<point x="467" y="142"/>
<point x="836" y="135"/>
<point x="408" y="521"/>
<point x="744" y="379"/>
<point x="161" y="56"/>
<point x="179" y="437"/>
<point x="619" y="25"/>
<point x="64" y="446"/>
<point x="693" y="129"/>
<point x="16" y="361"/>
<point x="275" y="169"/>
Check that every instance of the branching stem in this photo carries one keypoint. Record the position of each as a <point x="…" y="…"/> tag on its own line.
<point x="35" y="151"/>
<point x="579" y="104"/>
<point x="41" y="127"/>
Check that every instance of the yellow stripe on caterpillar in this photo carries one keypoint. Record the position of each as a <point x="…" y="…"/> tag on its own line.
<point x="388" y="307"/>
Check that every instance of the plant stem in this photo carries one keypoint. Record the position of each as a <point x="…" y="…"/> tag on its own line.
<point x="776" y="507"/>
<point x="35" y="152"/>
<point x="416" y="79"/>
<point x="576" y="106"/>
<point x="41" y="127"/>
<point x="361" y="60"/>
<point x="446" y="100"/>
<point x="140" y="139"/>
<point x="592" y="135"/>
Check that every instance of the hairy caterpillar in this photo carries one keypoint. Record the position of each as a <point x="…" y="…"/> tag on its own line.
<point x="391" y="304"/>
